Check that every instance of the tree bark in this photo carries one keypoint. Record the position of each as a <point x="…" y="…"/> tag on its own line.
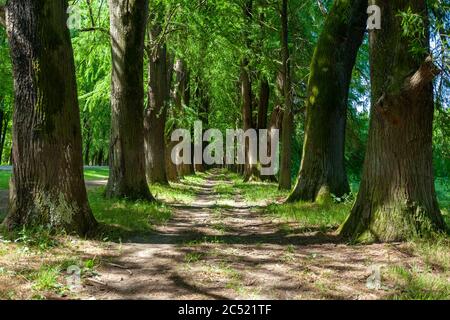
<point x="1" y="133"/>
<point x="171" y="168"/>
<point x="47" y="187"/>
<point x="156" y="113"/>
<point x="182" y="99"/>
<point x="203" y="107"/>
<point x="4" y="130"/>
<point x="87" y="149"/>
<point x="397" y="198"/>
<point x="263" y="103"/>
<point x="2" y="16"/>
<point x="285" y="182"/>
<point x="127" y="158"/>
<point x="250" y="170"/>
<point x="322" y="170"/>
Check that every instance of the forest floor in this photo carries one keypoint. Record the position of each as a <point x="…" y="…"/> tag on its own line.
<point x="218" y="244"/>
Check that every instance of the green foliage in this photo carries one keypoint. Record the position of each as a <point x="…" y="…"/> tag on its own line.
<point x="39" y="237"/>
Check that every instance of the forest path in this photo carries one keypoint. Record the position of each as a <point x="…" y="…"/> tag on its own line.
<point x="214" y="249"/>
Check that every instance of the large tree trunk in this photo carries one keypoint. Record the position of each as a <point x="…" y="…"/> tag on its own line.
<point x="156" y="113"/>
<point x="397" y="198"/>
<point x="47" y="187"/>
<point x="127" y="159"/>
<point x="322" y="170"/>
<point x="285" y="182"/>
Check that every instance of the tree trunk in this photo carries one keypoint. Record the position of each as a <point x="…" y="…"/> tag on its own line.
<point x="285" y="182"/>
<point x="263" y="106"/>
<point x="87" y="149"/>
<point x="3" y="135"/>
<point x="156" y="113"/>
<point x="47" y="185"/>
<point x="203" y="106"/>
<point x="2" y="16"/>
<point x="397" y="198"/>
<point x="322" y="170"/>
<point x="127" y="159"/>
<point x="171" y="168"/>
<point x="275" y="123"/>
<point x="182" y="99"/>
<point x="250" y="170"/>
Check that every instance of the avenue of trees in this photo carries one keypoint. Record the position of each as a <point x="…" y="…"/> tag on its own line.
<point x="351" y="103"/>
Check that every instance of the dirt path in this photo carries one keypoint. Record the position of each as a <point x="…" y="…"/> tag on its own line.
<point x="214" y="250"/>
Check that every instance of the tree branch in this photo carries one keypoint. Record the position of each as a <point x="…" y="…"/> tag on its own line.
<point x="92" y="29"/>
<point x="424" y="75"/>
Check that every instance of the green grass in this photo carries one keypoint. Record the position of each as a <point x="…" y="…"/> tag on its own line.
<point x="443" y="194"/>
<point x="96" y="174"/>
<point x="89" y="174"/>
<point x="416" y="284"/>
<point x="252" y="192"/>
<point x="123" y="218"/>
<point x="4" y="179"/>
<point x="312" y="216"/>
<point x="176" y="192"/>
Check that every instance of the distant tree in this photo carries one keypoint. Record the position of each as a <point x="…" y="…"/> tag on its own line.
<point x="285" y="181"/>
<point x="127" y="159"/>
<point x="322" y="170"/>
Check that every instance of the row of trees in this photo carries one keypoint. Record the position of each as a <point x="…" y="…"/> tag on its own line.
<point x="397" y="197"/>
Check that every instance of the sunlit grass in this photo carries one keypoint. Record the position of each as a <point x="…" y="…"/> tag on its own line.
<point x="89" y="174"/>
<point x="4" y="179"/>
<point x="127" y="217"/>
<point x="96" y="174"/>
<point x="416" y="284"/>
<point x="175" y="192"/>
<point x="311" y="216"/>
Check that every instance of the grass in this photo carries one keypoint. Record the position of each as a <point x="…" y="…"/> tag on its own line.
<point x="96" y="174"/>
<point x="89" y="175"/>
<point x="175" y="192"/>
<point x="429" y="280"/>
<point x="416" y="284"/>
<point x="123" y="218"/>
<point x="252" y="192"/>
<point x="34" y="263"/>
<point x="311" y="216"/>
<point x="4" y="179"/>
<point x="29" y="272"/>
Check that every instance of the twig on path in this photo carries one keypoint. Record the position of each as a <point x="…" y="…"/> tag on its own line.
<point x="120" y="267"/>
